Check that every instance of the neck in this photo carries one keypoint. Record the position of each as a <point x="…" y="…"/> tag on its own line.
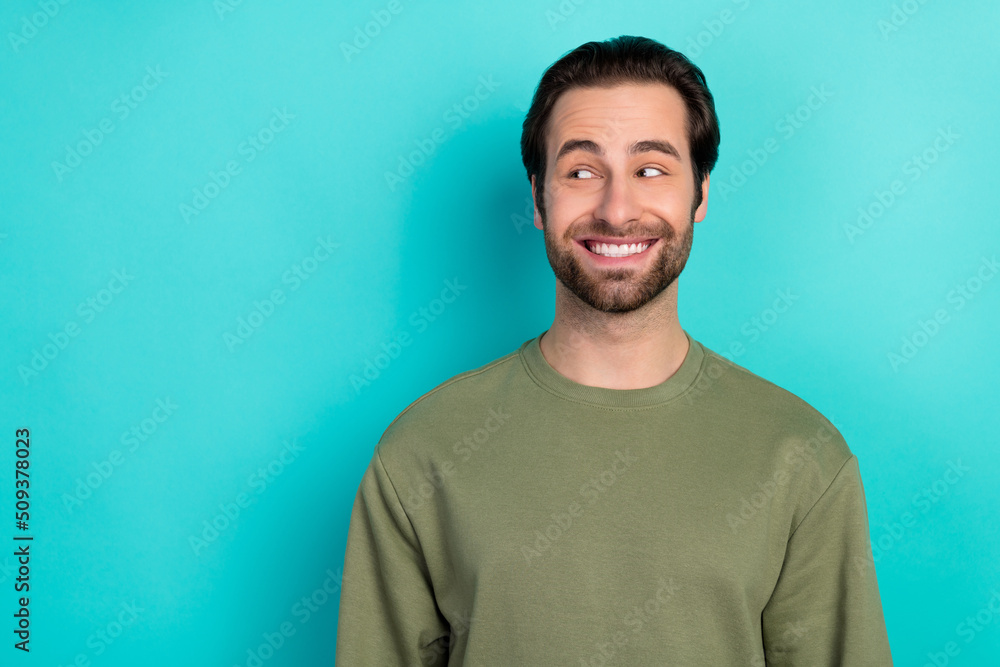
<point x="632" y="350"/>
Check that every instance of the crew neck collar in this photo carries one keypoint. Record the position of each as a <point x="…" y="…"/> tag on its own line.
<point x="553" y="381"/>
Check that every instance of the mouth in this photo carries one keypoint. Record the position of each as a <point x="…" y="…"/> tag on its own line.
<point x="616" y="248"/>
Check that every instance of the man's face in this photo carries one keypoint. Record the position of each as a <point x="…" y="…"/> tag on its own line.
<point x="619" y="172"/>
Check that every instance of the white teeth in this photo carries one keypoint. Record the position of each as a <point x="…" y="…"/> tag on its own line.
<point x="616" y="250"/>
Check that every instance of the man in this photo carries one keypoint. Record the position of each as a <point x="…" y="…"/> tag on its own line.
<point x="613" y="492"/>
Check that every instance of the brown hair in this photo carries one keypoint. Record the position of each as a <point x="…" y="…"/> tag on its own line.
<point x="624" y="59"/>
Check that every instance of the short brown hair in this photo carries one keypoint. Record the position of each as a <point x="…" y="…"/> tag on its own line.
<point x="624" y="59"/>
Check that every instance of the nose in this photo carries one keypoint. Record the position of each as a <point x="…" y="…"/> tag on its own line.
<point x="618" y="205"/>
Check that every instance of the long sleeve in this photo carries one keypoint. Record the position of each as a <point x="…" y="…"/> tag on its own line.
<point x="825" y="608"/>
<point x="388" y="613"/>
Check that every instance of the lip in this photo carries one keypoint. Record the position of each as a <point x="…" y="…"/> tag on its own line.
<point x="611" y="240"/>
<point x="603" y="260"/>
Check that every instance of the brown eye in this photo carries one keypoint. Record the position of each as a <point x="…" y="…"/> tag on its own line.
<point x="577" y="171"/>
<point x="653" y="168"/>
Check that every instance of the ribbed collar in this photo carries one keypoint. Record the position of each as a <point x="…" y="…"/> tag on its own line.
<point x="549" y="378"/>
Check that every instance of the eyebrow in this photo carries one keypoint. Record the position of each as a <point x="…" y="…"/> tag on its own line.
<point x="634" y="148"/>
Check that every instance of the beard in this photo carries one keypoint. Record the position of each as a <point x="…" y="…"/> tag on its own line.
<point x="626" y="289"/>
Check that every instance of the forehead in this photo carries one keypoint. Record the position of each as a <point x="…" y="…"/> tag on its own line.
<point x="616" y="116"/>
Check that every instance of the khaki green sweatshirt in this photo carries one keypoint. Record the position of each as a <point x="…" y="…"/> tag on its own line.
<point x="511" y="516"/>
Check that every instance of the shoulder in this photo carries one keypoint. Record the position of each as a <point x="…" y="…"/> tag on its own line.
<point x="448" y="405"/>
<point x="788" y="422"/>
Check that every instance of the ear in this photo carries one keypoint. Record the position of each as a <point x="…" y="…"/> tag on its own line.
<point x="702" y="209"/>
<point x="534" y="201"/>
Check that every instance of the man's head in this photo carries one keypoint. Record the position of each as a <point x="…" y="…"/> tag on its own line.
<point x="618" y="143"/>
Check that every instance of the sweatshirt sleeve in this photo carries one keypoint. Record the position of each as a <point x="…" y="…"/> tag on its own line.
<point x="388" y="613"/>
<point x="825" y="609"/>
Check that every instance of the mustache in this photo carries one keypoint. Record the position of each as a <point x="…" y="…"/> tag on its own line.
<point x="601" y="228"/>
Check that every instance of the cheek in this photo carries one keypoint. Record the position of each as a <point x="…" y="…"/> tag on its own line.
<point x="561" y="210"/>
<point x="574" y="200"/>
<point x="672" y="203"/>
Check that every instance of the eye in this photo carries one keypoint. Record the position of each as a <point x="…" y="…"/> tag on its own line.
<point x="653" y="168"/>
<point x="578" y="171"/>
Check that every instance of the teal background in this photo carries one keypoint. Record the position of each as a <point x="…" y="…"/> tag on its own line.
<point x="462" y="215"/>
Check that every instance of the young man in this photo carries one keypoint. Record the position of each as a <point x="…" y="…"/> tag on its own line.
<point x="613" y="491"/>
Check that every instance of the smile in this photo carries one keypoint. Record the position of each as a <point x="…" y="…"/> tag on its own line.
<point x="617" y="250"/>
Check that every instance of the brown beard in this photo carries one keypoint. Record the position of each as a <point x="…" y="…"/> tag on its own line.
<point x="620" y="290"/>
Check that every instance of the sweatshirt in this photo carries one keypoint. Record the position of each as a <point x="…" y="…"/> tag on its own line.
<point x="512" y="516"/>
